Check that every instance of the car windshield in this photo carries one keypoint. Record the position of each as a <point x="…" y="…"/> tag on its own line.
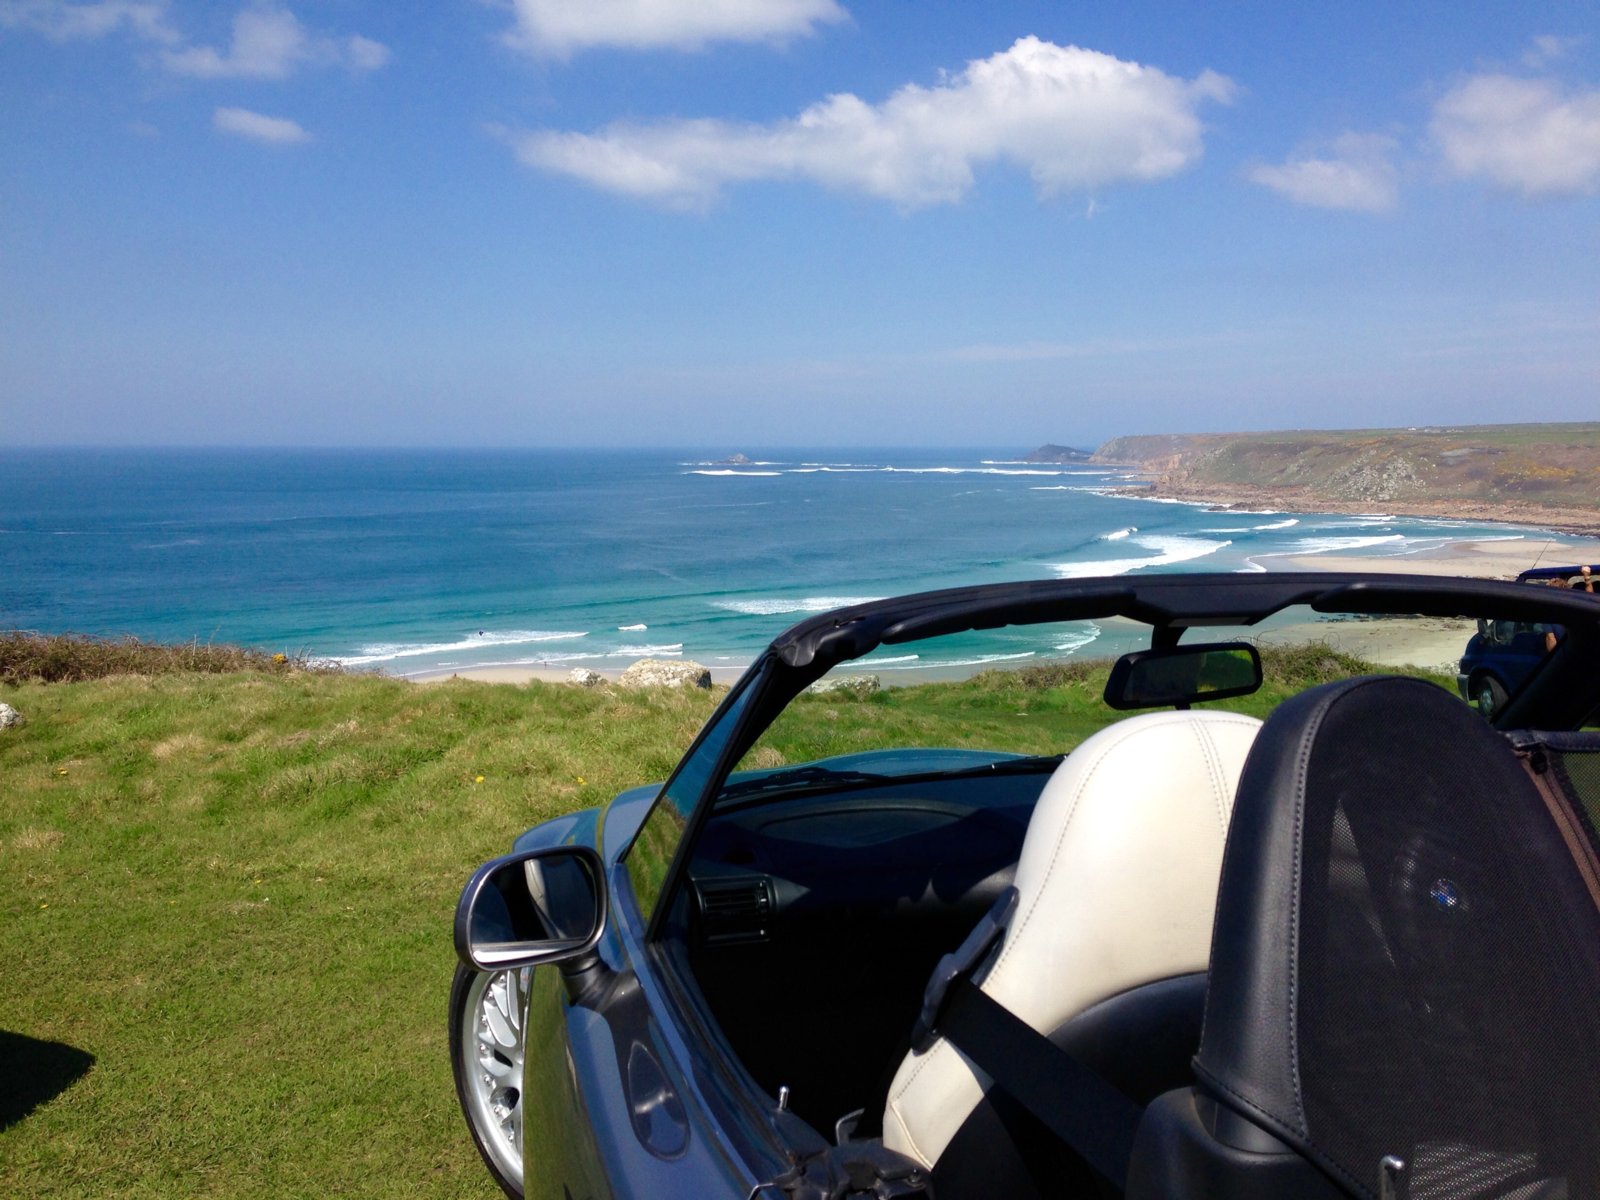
<point x="1018" y="698"/>
<point x="873" y="767"/>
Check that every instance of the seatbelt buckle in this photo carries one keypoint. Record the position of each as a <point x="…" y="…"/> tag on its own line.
<point x="963" y="961"/>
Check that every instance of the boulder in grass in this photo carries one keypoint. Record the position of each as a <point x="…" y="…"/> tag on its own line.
<point x="666" y="672"/>
<point x="9" y="716"/>
<point x="850" y="685"/>
<point x="584" y="677"/>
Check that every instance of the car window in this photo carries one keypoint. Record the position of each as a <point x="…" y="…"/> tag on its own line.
<point x="953" y="703"/>
<point x="649" y="857"/>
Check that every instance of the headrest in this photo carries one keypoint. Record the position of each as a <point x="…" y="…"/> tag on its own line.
<point x="1406" y="959"/>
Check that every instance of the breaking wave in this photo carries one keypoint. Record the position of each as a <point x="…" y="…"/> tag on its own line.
<point x="1076" y="639"/>
<point x="1167" y="550"/>
<point x="978" y="660"/>
<point x="774" y="607"/>
<point x="1337" y="545"/>
<point x="383" y="652"/>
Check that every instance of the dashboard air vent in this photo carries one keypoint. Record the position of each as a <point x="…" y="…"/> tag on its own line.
<point x="735" y="910"/>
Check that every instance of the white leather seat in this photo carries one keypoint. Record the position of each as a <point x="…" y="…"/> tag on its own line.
<point x="1117" y="887"/>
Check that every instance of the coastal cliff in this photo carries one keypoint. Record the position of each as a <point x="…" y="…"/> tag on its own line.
<point x="1548" y="475"/>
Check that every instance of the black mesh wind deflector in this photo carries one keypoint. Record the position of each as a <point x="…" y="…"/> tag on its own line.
<point x="1407" y="954"/>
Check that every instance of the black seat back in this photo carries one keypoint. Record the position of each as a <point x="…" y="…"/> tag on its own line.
<point x="1406" y="962"/>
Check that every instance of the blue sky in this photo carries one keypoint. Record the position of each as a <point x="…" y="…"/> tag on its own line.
<point x="751" y="223"/>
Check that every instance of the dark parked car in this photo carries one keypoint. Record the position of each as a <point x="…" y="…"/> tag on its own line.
<point x="1501" y="656"/>
<point x="1223" y="935"/>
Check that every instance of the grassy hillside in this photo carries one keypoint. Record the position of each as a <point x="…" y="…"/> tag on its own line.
<point x="225" y="900"/>
<point x="234" y="892"/>
<point x="1532" y="472"/>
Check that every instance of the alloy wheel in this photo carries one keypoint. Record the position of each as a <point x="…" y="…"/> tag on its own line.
<point x="489" y="1071"/>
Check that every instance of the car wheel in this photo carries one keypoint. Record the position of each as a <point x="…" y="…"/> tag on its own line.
<point x="486" y="1053"/>
<point x="1489" y="695"/>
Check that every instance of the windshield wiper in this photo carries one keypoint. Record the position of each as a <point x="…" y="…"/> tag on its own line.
<point x="812" y="778"/>
<point x="800" y="779"/>
<point x="1035" y="764"/>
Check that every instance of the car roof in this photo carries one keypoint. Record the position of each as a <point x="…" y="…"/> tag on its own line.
<point x="1535" y="574"/>
<point x="1175" y="601"/>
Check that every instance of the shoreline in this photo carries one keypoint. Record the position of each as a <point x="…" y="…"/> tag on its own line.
<point x="1388" y="642"/>
<point x="1574" y="522"/>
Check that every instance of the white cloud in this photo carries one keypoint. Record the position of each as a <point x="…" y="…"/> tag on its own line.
<point x="1527" y="135"/>
<point x="64" y="22"/>
<point x="364" y="54"/>
<point x="1358" y="174"/>
<point x="560" y="27"/>
<point x="1547" y="48"/>
<point x="270" y="43"/>
<point x="241" y="122"/>
<point x="1074" y="119"/>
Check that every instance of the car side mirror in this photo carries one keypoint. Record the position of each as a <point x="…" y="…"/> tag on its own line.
<point x="1181" y="675"/>
<point x="539" y="906"/>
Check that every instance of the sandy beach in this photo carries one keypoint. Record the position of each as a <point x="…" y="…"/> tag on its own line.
<point x="520" y="674"/>
<point x="1489" y="559"/>
<point x="1424" y="641"/>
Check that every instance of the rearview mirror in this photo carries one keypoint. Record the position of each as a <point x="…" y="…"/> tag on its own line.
<point x="539" y="906"/>
<point x="1181" y="675"/>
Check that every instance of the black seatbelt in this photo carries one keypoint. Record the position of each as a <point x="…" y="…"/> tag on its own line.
<point x="1086" y="1112"/>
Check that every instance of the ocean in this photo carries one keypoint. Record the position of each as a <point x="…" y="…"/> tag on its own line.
<point x="420" y="561"/>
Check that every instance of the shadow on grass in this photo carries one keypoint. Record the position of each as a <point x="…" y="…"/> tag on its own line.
<point x="32" y="1072"/>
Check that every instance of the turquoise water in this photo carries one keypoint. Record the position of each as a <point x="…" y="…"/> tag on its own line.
<point x="419" y="561"/>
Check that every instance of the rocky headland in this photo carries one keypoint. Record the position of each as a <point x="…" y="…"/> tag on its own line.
<point x="1546" y="475"/>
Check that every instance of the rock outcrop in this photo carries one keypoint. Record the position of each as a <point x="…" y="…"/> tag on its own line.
<point x="1051" y="453"/>
<point x="584" y="677"/>
<point x="9" y="717"/>
<point x="665" y="672"/>
<point x="853" y="685"/>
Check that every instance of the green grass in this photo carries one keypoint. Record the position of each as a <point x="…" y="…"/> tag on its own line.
<point x="69" y="657"/>
<point x="234" y="892"/>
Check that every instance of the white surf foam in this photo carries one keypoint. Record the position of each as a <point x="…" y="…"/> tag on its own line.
<point x="775" y="607"/>
<point x="665" y="651"/>
<point x="741" y="474"/>
<point x="978" y="661"/>
<point x="1280" y="524"/>
<point x="1167" y="550"/>
<point x="632" y="628"/>
<point x="1116" y="535"/>
<point x="1148" y="499"/>
<point x="971" y="471"/>
<point x="389" y="651"/>
<point x="1338" y="545"/>
<point x="1077" y="639"/>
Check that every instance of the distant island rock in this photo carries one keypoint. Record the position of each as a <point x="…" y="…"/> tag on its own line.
<point x="1051" y="453"/>
<point x="734" y="460"/>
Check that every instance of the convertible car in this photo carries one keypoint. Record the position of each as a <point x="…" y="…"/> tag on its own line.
<point x="1193" y="900"/>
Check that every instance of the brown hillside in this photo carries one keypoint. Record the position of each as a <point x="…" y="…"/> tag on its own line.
<point x="1547" y="475"/>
